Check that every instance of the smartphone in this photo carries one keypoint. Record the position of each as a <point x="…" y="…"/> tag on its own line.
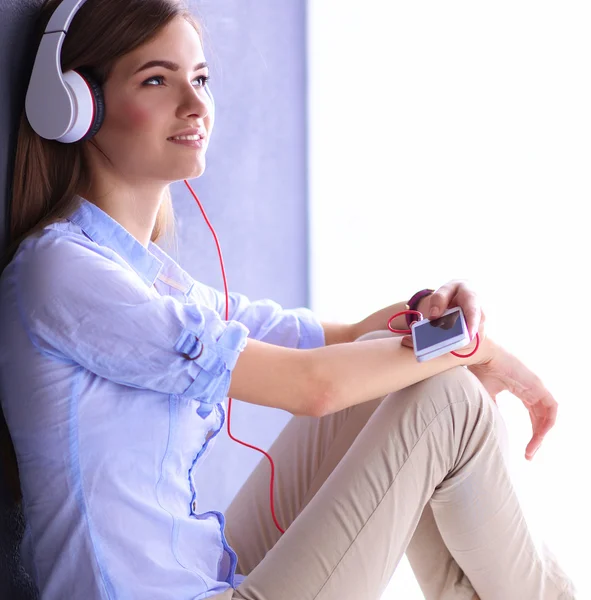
<point x="432" y="338"/>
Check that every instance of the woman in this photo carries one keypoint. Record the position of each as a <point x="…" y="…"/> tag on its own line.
<point x="116" y="365"/>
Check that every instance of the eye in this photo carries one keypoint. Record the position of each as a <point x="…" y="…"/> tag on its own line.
<point x="159" y="78"/>
<point x="203" y="79"/>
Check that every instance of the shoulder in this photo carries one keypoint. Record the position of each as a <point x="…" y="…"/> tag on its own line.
<point x="56" y="259"/>
<point x="62" y="238"/>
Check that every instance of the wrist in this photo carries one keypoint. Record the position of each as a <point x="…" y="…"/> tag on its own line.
<point x="354" y="331"/>
<point x="485" y="352"/>
<point x="414" y="303"/>
<point x="422" y="306"/>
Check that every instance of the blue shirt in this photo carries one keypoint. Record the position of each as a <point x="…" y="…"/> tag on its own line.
<point x="114" y="370"/>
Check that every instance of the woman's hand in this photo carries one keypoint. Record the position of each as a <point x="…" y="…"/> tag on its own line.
<point x="498" y="370"/>
<point x="456" y="292"/>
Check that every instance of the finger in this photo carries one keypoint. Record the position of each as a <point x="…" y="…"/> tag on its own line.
<point x="530" y="451"/>
<point x="439" y="300"/>
<point x="533" y="446"/>
<point x="536" y="439"/>
<point x="407" y="341"/>
<point x="471" y="306"/>
<point x="541" y="429"/>
<point x="543" y="419"/>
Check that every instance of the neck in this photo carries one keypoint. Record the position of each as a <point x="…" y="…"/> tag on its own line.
<point x="135" y="208"/>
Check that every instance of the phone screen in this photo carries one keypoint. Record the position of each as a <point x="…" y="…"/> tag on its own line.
<point x="438" y="330"/>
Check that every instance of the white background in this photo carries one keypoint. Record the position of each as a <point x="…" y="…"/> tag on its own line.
<point x="453" y="140"/>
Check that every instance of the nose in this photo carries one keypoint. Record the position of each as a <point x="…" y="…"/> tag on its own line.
<point x="196" y="101"/>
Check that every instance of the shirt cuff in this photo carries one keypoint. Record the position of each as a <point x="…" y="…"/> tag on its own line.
<point x="212" y="356"/>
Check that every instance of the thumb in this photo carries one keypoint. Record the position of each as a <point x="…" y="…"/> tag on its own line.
<point x="407" y="341"/>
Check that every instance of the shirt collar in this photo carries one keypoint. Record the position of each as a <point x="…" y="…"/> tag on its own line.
<point x="105" y="231"/>
<point x="172" y="273"/>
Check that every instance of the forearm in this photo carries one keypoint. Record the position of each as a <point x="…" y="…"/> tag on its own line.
<point x="339" y="333"/>
<point x="351" y="374"/>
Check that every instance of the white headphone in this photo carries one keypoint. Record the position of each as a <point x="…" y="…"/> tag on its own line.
<point x="66" y="107"/>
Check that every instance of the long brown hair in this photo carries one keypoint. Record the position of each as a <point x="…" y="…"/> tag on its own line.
<point x="48" y="174"/>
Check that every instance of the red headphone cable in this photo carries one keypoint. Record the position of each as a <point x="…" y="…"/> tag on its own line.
<point x="404" y="331"/>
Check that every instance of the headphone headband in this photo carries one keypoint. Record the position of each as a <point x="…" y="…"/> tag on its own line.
<point x="63" y="15"/>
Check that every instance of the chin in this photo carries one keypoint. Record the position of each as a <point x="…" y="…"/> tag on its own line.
<point x="191" y="173"/>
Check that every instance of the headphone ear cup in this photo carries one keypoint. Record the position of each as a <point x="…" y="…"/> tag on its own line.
<point x="98" y="98"/>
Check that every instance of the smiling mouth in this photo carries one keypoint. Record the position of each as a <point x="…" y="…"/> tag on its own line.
<point x="190" y="138"/>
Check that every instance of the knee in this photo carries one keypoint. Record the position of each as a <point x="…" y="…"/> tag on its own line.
<point x="458" y="375"/>
<point x="446" y="411"/>
<point x="458" y="380"/>
<point x="457" y="386"/>
<point x="458" y="405"/>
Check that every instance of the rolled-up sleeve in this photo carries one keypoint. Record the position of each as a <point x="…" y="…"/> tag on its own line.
<point x="79" y="305"/>
<point x="267" y="320"/>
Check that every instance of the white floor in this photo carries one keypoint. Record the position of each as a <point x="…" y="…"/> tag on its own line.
<point x="403" y="584"/>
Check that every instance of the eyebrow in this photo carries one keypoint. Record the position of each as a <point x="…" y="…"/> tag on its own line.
<point x="171" y="66"/>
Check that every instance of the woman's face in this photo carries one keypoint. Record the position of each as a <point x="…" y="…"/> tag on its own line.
<point x="153" y="95"/>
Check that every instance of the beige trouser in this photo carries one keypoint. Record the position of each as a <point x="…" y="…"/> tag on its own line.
<point x="422" y="471"/>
